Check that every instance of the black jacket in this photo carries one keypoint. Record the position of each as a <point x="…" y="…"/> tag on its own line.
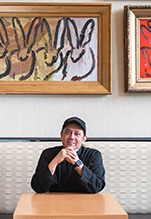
<point x="65" y="178"/>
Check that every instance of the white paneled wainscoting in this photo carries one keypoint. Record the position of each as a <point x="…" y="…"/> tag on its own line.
<point x="127" y="165"/>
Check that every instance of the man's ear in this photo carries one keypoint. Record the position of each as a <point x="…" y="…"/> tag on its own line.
<point x="61" y="135"/>
<point x="84" y="138"/>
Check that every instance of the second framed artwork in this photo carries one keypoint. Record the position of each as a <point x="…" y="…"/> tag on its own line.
<point x="55" y="48"/>
<point x="138" y="48"/>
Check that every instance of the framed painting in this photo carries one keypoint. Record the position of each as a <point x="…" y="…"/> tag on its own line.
<point x="55" y="48"/>
<point x="138" y="48"/>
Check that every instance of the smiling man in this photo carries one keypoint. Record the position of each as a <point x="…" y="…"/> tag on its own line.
<point x="70" y="167"/>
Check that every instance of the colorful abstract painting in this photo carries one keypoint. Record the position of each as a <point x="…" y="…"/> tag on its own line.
<point x="145" y="49"/>
<point x="48" y="49"/>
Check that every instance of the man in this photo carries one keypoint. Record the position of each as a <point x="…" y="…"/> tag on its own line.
<point x="70" y="167"/>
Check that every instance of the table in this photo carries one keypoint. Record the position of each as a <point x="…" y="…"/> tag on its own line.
<point x="68" y="205"/>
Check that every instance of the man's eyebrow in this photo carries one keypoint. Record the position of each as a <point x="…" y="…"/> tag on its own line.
<point x="77" y="130"/>
<point x="68" y="129"/>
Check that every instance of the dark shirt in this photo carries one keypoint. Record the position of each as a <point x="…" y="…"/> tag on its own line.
<point x="65" y="178"/>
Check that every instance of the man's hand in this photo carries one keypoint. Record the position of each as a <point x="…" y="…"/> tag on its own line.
<point x="67" y="154"/>
<point x="72" y="157"/>
<point x="60" y="157"/>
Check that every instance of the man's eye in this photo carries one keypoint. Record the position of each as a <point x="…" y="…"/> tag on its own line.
<point x="77" y="134"/>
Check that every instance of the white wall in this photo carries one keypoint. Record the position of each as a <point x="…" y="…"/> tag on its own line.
<point x="117" y="115"/>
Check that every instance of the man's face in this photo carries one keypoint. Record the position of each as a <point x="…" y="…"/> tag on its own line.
<point x="73" y="136"/>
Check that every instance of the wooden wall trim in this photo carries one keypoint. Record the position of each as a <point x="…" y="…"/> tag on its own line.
<point x="89" y="139"/>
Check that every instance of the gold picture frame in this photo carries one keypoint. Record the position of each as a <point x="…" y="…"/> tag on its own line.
<point x="137" y="48"/>
<point x="17" y="15"/>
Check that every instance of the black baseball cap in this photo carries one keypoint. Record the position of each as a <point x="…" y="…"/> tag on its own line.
<point x="75" y="120"/>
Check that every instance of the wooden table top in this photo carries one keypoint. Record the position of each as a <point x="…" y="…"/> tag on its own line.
<point x="68" y="205"/>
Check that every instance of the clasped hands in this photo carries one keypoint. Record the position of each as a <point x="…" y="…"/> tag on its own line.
<point x="68" y="154"/>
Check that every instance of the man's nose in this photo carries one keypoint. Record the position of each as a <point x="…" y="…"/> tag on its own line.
<point x="72" y="135"/>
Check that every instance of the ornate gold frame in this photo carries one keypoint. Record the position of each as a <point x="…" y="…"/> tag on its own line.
<point x="133" y="15"/>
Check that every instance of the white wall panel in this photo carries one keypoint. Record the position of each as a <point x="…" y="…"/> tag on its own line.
<point x="116" y="115"/>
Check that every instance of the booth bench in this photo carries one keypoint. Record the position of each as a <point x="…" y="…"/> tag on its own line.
<point x="127" y="165"/>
